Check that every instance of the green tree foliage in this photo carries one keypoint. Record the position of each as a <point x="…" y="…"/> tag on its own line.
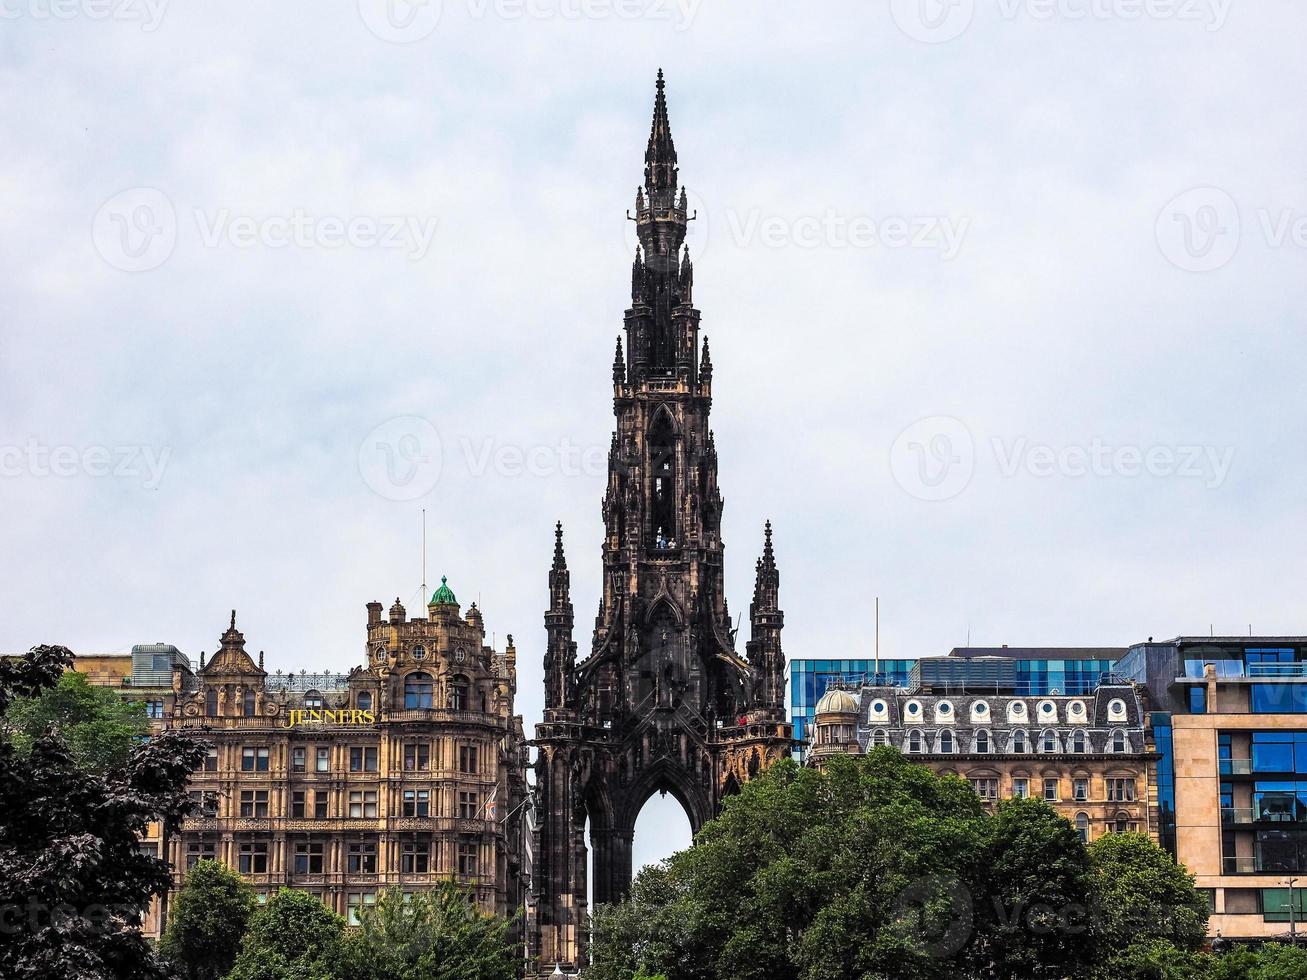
<point x="1272" y="962"/>
<point x="438" y="934"/>
<point x="74" y="884"/>
<point x="98" y="727"/>
<point x="206" y="922"/>
<point x="1147" y="911"/>
<point x="293" y="937"/>
<point x="904" y="875"/>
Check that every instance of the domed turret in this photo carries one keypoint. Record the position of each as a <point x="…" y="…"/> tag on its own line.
<point x="837" y="702"/>
<point x="443" y="596"/>
<point x="835" y="725"/>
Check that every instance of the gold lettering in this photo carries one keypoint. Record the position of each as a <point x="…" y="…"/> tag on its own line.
<point x="369" y="718"/>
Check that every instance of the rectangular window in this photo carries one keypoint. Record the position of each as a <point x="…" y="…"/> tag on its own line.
<point x="308" y="858"/>
<point x="253" y="859"/>
<point x="153" y="709"/>
<point x="1275" y="904"/>
<point x="1020" y="787"/>
<point x="362" y="803"/>
<point x="355" y="901"/>
<point x="199" y="851"/>
<point x="467" y="805"/>
<point x="986" y="788"/>
<point x="1050" y="789"/>
<point x="254" y="803"/>
<point x="1080" y="789"/>
<point x="297" y="804"/>
<point x="297" y="756"/>
<point x="467" y="758"/>
<point x="320" y="799"/>
<point x="1121" y="790"/>
<point x="415" y="857"/>
<point x="417" y="756"/>
<point x="324" y="759"/>
<point x="417" y="803"/>
<point x="1198" y="700"/>
<point x="211" y="759"/>
<point x="363" y="759"/>
<point x="254" y="759"/>
<point x="362" y="859"/>
<point x="467" y="858"/>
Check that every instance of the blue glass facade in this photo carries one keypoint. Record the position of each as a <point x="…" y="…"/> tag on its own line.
<point x="1165" y="779"/>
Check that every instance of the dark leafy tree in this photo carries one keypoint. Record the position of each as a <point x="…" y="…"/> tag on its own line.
<point x="438" y="934"/>
<point x="1146" y="908"/>
<point x="74" y="883"/>
<point x="293" y="937"/>
<point x="98" y="727"/>
<point x="1273" y="961"/>
<point x="206" y="922"/>
<point x="897" y="879"/>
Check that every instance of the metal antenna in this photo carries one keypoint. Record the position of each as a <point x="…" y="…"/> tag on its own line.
<point x="424" y="554"/>
<point x="877" y="639"/>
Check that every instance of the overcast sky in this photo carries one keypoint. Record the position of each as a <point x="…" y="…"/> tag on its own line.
<point x="1005" y="302"/>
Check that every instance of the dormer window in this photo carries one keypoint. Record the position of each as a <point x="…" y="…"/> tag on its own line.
<point x="249" y="704"/>
<point x="313" y="701"/>
<point x="418" y="691"/>
<point x="364" y="701"/>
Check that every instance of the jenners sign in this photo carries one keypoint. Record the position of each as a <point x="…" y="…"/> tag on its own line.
<point x="315" y="717"/>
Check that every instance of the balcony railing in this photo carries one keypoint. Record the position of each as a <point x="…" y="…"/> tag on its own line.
<point x="1278" y="670"/>
<point x="1236" y="815"/>
<point x="1236" y="767"/>
<point x="1239" y="866"/>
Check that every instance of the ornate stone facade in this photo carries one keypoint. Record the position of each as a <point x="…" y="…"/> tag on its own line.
<point x="664" y="702"/>
<point x="404" y="771"/>
<point x="1088" y="756"/>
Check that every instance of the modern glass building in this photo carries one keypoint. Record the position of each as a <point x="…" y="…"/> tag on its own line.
<point x="1040" y="670"/>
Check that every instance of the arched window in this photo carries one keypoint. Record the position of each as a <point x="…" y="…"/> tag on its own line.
<point x="418" y="690"/>
<point x="313" y="701"/>
<point x="1082" y="826"/>
<point x="458" y="693"/>
<point x="211" y="703"/>
<point x="1118" y="741"/>
<point x="1050" y="741"/>
<point x="1078" y="742"/>
<point x="914" y="741"/>
<point x="879" y="738"/>
<point x="662" y="471"/>
<point x="248" y="704"/>
<point x="982" y="741"/>
<point x="364" y="701"/>
<point x="946" y="741"/>
<point x="1122" y="822"/>
<point x="1019" y="741"/>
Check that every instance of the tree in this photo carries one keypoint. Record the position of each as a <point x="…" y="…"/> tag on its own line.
<point x="871" y="867"/>
<point x="97" y="725"/>
<point x="438" y="934"/>
<point x="1272" y="962"/>
<point x="74" y="883"/>
<point x="207" y="921"/>
<point x="293" y="937"/>
<point x="1147" y="911"/>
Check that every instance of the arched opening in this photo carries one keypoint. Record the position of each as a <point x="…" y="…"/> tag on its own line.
<point x="418" y="691"/>
<point x="662" y="477"/>
<point x="661" y="829"/>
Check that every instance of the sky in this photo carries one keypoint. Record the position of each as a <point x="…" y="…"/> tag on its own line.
<point x="1005" y="301"/>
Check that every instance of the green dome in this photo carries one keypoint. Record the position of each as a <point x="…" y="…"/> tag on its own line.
<point x="443" y="596"/>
